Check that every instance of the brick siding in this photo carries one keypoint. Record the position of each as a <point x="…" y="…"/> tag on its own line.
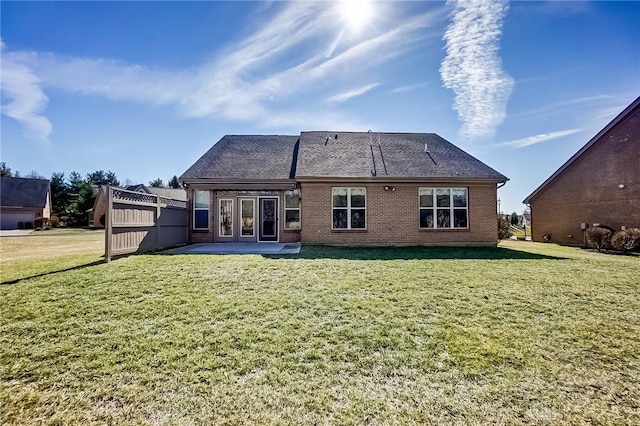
<point x="587" y="190"/>
<point x="393" y="217"/>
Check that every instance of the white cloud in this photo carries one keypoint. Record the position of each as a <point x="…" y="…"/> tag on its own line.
<point x="345" y="96"/>
<point x="22" y="97"/>
<point x="256" y="79"/>
<point x="409" y="88"/>
<point x="472" y="67"/>
<point x="532" y="140"/>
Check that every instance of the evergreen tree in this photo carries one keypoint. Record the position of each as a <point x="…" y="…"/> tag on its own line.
<point x="5" y="170"/>
<point x="157" y="183"/>
<point x="514" y="219"/>
<point x="82" y="196"/>
<point x="100" y="178"/>
<point x="59" y="193"/>
<point x="174" y="183"/>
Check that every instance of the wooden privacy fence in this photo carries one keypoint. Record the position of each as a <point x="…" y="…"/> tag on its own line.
<point x="137" y="222"/>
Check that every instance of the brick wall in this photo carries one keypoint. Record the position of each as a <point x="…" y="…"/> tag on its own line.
<point x="393" y="217"/>
<point x="587" y="191"/>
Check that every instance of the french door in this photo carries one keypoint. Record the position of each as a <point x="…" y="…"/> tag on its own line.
<point x="247" y="222"/>
<point x="268" y="219"/>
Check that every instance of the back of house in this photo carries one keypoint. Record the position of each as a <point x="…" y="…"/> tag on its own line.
<point x="345" y="188"/>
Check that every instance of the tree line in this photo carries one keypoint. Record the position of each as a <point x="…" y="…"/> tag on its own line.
<point x="73" y="195"/>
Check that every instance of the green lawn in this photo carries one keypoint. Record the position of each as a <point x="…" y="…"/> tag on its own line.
<point x="522" y="334"/>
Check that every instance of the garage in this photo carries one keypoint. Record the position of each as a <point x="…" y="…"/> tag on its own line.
<point x="14" y="220"/>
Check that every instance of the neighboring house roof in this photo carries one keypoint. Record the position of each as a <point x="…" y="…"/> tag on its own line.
<point x="323" y="154"/>
<point x="173" y="193"/>
<point x="392" y="155"/>
<point x="627" y="111"/>
<point x="137" y="188"/>
<point x="254" y="157"/>
<point x="23" y="192"/>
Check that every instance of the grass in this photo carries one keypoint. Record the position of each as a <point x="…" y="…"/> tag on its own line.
<point x="525" y="333"/>
<point x="43" y="252"/>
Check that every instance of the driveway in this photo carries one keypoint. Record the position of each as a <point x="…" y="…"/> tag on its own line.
<point x="15" y="232"/>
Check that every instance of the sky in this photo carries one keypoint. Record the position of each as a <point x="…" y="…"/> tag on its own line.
<point x="145" y="88"/>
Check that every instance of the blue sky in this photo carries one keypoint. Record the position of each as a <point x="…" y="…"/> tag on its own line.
<point x="145" y="88"/>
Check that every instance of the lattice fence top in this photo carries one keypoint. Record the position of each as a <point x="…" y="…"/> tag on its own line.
<point x="170" y="202"/>
<point x="138" y="197"/>
<point x="142" y="197"/>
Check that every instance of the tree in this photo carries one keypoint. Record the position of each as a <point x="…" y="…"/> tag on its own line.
<point x="5" y="170"/>
<point x="503" y="228"/>
<point x="35" y="175"/>
<point x="514" y="219"/>
<point x="158" y="183"/>
<point x="100" y="178"/>
<point x="82" y="196"/>
<point x="59" y="193"/>
<point x="174" y="183"/>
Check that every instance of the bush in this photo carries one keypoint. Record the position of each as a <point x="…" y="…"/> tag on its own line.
<point x="40" y="222"/>
<point x="626" y="240"/>
<point x="503" y="228"/>
<point x="54" y="221"/>
<point x="599" y="238"/>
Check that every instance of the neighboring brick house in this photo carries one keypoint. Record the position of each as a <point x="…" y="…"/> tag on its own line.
<point x="22" y="201"/>
<point x="600" y="184"/>
<point x="351" y="188"/>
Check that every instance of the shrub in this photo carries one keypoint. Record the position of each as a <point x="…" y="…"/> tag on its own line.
<point x="40" y="222"/>
<point x="503" y="228"/>
<point x="54" y="221"/>
<point x="599" y="238"/>
<point x="626" y="240"/>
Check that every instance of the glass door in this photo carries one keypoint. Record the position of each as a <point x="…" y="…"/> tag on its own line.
<point x="247" y="221"/>
<point x="268" y="223"/>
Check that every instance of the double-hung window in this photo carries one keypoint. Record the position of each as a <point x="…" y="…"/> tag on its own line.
<point x="442" y="208"/>
<point x="292" y="209"/>
<point x="348" y="207"/>
<point x="201" y="210"/>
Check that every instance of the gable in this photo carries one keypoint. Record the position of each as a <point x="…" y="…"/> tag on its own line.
<point x="620" y="150"/>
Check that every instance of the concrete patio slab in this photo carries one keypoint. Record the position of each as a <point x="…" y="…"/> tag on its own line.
<point x="237" y="248"/>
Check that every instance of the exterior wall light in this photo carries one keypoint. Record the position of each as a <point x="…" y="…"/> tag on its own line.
<point x="621" y="185"/>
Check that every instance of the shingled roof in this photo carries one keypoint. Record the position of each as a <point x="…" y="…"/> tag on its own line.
<point x="23" y="192"/>
<point x="247" y="157"/>
<point x="323" y="154"/>
<point x="387" y="155"/>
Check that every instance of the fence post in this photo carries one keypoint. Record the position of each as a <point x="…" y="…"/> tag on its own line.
<point x="157" y="223"/>
<point x="107" y="225"/>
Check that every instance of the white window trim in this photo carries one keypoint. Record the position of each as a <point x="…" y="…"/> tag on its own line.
<point x="451" y="207"/>
<point x="292" y="208"/>
<point x="201" y="209"/>
<point x="348" y="208"/>
<point x="220" y="200"/>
